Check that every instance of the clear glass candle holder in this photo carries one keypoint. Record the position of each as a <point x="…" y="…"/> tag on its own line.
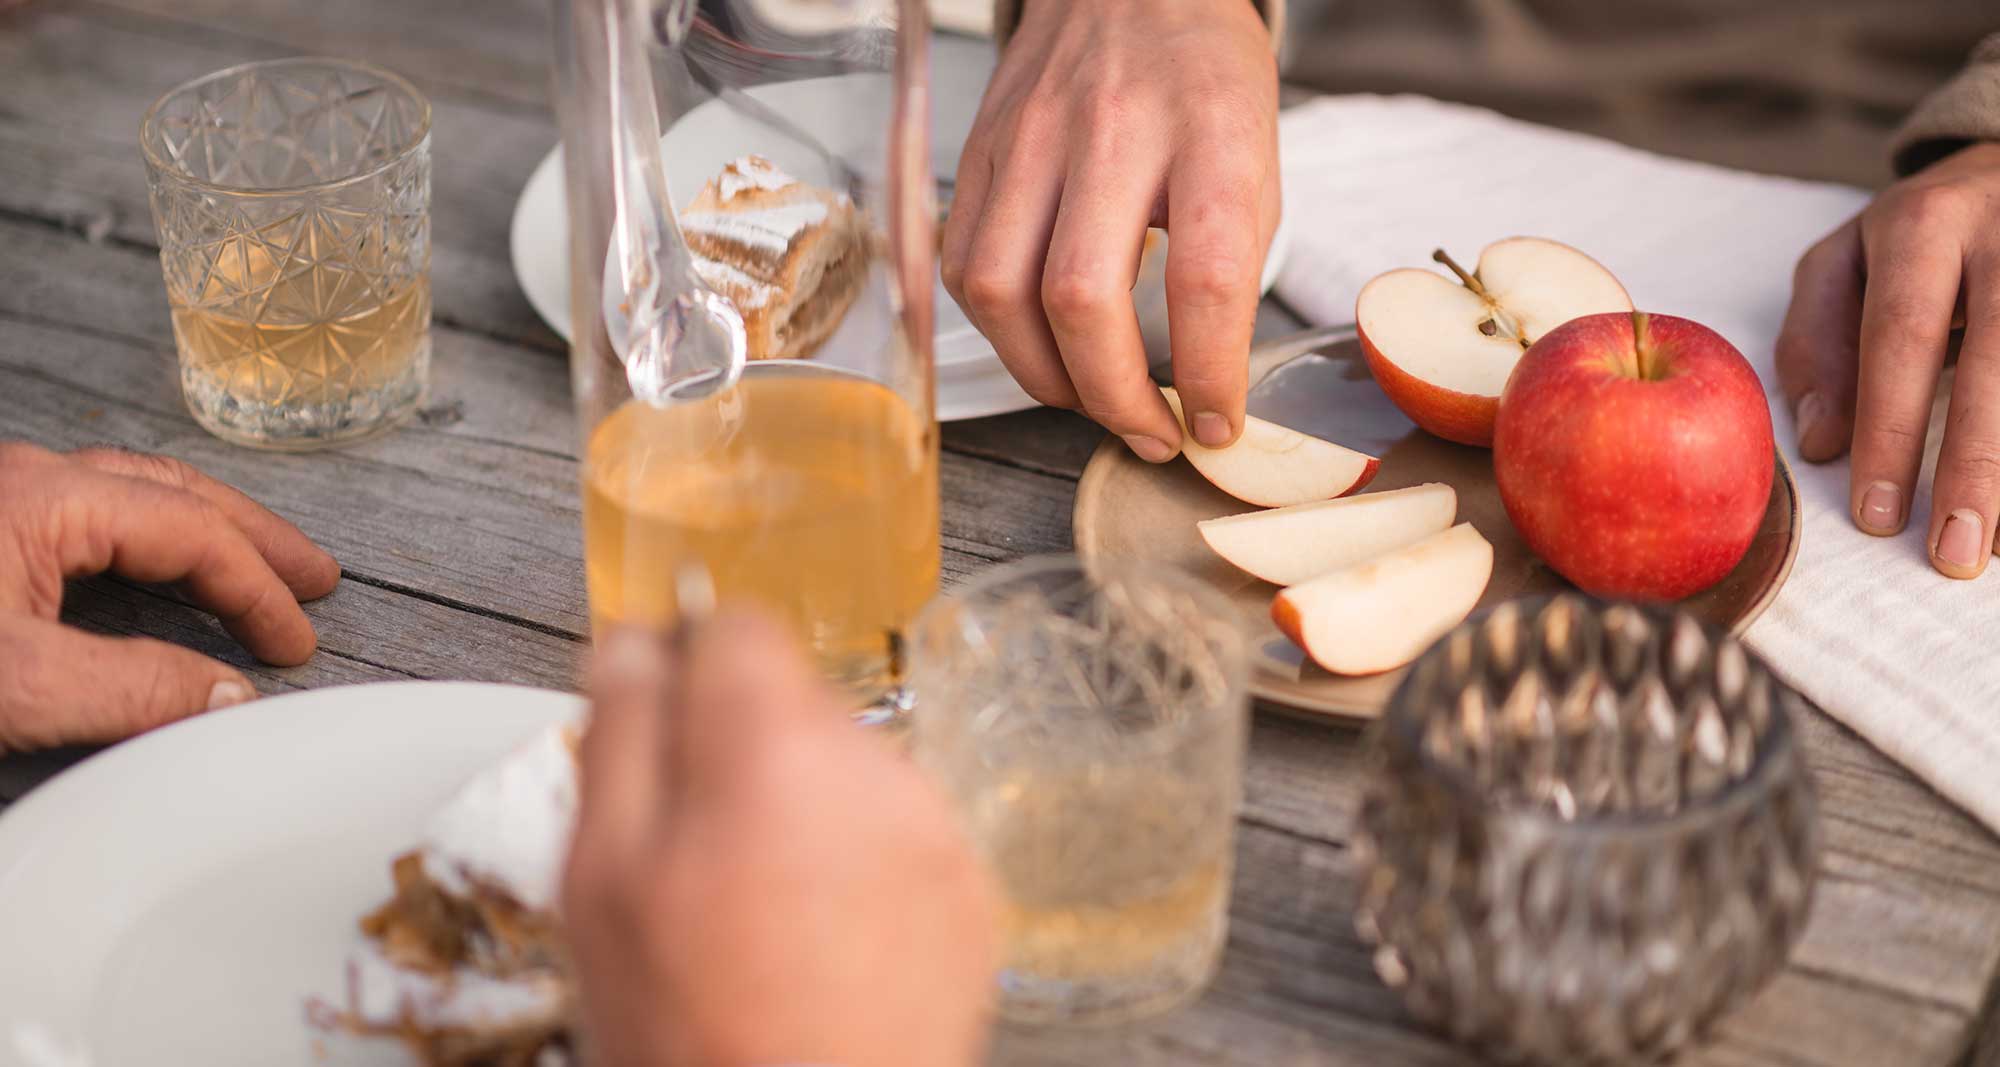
<point x="292" y="199"/>
<point x="1090" y="726"/>
<point x="1588" y="832"/>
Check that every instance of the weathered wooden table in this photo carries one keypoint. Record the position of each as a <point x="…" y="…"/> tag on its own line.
<point x="459" y="539"/>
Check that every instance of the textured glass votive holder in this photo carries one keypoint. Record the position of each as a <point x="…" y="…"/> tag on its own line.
<point x="1588" y="832"/>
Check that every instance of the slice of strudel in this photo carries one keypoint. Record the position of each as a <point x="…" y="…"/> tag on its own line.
<point x="464" y="963"/>
<point x="790" y="256"/>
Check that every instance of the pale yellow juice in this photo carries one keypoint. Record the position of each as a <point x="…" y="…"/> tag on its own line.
<point x="362" y="349"/>
<point x="297" y="348"/>
<point x="1108" y="872"/>
<point x="808" y="491"/>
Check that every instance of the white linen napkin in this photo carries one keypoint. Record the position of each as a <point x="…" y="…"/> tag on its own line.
<point x="1864" y="627"/>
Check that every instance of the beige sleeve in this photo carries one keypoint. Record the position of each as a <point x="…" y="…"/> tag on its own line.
<point x="1966" y="109"/>
<point x="1007" y="14"/>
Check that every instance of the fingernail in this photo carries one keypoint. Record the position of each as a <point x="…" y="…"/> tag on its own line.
<point x="1211" y="429"/>
<point x="1150" y="449"/>
<point x="1962" y="542"/>
<point x="1881" y="508"/>
<point x="1811" y="408"/>
<point x="228" y="694"/>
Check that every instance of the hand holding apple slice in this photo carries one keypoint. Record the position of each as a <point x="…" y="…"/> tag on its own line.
<point x="1442" y="350"/>
<point x="1286" y="546"/>
<point x="1379" y="615"/>
<point x="1274" y="467"/>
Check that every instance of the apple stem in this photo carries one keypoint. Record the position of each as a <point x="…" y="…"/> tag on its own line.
<point x="1640" y="347"/>
<point x="1471" y="281"/>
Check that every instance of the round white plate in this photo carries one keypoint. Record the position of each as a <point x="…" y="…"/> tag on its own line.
<point x="971" y="382"/>
<point x="177" y="898"/>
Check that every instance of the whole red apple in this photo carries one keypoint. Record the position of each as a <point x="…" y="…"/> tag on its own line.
<point x="1634" y="454"/>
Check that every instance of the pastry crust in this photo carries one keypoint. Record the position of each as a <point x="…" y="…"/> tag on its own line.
<point x="790" y="256"/>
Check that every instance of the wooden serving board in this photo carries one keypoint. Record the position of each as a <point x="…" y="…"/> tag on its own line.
<point x="1127" y="508"/>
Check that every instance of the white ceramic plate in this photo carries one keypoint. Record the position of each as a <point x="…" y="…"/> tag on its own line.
<point x="175" y="899"/>
<point x="971" y="382"/>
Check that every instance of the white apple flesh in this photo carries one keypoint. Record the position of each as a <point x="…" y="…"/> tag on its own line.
<point x="1286" y="546"/>
<point x="1273" y="466"/>
<point x="1443" y="349"/>
<point x="1377" y="616"/>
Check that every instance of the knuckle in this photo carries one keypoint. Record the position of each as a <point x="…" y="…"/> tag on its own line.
<point x="1206" y="379"/>
<point x="1222" y="107"/>
<point x="1038" y="123"/>
<point x="1207" y="280"/>
<point x="1915" y="315"/>
<point x="1892" y="435"/>
<point x="161" y="691"/>
<point x="147" y="465"/>
<point x="208" y="519"/>
<point x="1975" y="461"/>
<point x="1075" y="294"/>
<point x="1930" y="208"/>
<point x="992" y="292"/>
<point x="1107" y="115"/>
<point x="167" y="469"/>
<point x="1116" y="412"/>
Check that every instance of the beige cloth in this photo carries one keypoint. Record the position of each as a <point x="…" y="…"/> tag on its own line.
<point x="1966" y="109"/>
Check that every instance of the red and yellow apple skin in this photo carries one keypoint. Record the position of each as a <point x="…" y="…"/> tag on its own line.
<point x="1634" y="454"/>
<point x="1460" y="417"/>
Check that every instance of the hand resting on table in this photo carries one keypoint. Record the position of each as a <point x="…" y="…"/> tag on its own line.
<point x="150" y="519"/>
<point x="1873" y="308"/>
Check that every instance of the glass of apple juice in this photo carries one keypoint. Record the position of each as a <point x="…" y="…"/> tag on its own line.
<point x="1089" y="723"/>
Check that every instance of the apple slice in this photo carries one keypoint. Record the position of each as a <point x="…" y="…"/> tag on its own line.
<point x="1274" y="467"/>
<point x="1442" y="350"/>
<point x="1379" y="615"/>
<point x="1287" y="546"/>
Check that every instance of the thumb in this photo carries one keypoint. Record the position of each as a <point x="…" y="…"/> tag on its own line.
<point x="64" y="686"/>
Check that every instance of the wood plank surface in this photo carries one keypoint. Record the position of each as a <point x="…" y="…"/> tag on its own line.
<point x="458" y="538"/>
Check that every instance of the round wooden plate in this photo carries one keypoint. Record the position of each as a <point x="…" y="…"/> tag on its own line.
<point x="1129" y="509"/>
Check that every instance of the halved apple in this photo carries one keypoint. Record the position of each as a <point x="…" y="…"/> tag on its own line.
<point x="1379" y="615"/>
<point x="1286" y="546"/>
<point x="1442" y="350"/>
<point x="1273" y="466"/>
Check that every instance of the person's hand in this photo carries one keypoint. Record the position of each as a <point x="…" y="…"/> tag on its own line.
<point x="151" y="519"/>
<point x="757" y="881"/>
<point x="1103" y="118"/>
<point x="1873" y="308"/>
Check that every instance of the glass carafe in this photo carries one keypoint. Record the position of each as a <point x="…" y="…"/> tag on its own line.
<point x="751" y="260"/>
